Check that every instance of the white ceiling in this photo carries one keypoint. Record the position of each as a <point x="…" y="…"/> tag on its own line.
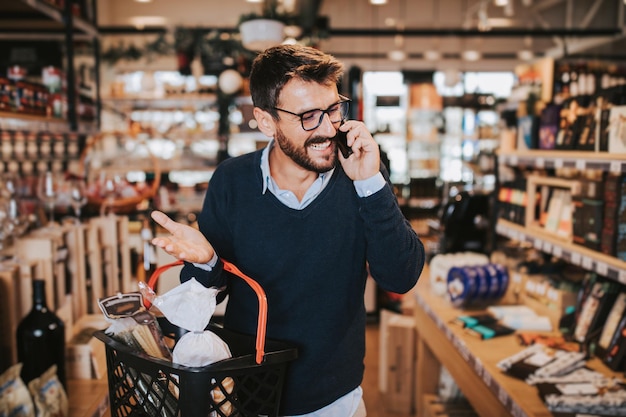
<point x="362" y="34"/>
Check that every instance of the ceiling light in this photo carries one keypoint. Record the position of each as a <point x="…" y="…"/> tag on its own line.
<point x="501" y="3"/>
<point x="143" y="1"/>
<point x="471" y="55"/>
<point x="141" y="22"/>
<point x="378" y="2"/>
<point x="254" y="1"/>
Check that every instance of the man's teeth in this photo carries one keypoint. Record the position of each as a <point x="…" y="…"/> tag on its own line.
<point x="320" y="146"/>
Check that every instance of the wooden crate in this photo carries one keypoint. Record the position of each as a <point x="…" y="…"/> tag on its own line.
<point x="9" y="314"/>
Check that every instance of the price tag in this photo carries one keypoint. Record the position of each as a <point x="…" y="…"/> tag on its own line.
<point x="615" y="167"/>
<point x="587" y="263"/>
<point x="575" y="258"/>
<point x="580" y="164"/>
<point x="513" y="160"/>
<point x="538" y="244"/>
<point x="622" y="276"/>
<point x="540" y="163"/>
<point x="557" y="251"/>
<point x="558" y="163"/>
<point x="602" y="268"/>
<point x="547" y="247"/>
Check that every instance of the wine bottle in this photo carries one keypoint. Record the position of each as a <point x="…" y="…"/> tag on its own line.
<point x="41" y="338"/>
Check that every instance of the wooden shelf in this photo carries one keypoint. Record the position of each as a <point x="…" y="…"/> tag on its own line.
<point x="581" y="160"/>
<point x="472" y="362"/>
<point x="586" y="258"/>
<point x="19" y="121"/>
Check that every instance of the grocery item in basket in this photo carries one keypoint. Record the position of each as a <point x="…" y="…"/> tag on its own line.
<point x="14" y="397"/>
<point x="49" y="395"/>
<point x="190" y="306"/>
<point x="133" y="325"/>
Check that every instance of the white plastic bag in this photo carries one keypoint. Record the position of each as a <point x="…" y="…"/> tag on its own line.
<point x="190" y="306"/>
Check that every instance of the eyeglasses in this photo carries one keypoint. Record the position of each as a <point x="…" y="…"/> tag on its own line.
<point x="311" y="119"/>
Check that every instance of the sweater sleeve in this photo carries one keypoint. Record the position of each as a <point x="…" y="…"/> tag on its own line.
<point x="395" y="253"/>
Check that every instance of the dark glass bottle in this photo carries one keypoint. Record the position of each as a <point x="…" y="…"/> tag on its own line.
<point x="41" y="338"/>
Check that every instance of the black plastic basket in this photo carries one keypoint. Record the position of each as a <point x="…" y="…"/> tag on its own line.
<point x="248" y="384"/>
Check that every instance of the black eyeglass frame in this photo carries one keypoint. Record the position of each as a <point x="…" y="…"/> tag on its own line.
<point x="342" y="101"/>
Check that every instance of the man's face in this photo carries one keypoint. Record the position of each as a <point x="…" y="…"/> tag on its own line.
<point x="313" y="150"/>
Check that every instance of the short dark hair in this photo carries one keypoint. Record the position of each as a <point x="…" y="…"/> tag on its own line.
<point x="276" y="66"/>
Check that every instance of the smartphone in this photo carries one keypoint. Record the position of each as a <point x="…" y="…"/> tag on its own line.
<point x="342" y="143"/>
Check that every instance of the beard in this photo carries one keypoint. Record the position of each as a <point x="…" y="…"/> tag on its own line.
<point x="300" y="156"/>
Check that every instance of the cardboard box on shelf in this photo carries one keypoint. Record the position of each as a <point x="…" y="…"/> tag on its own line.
<point x="547" y="300"/>
<point x="397" y="360"/>
<point x="85" y="355"/>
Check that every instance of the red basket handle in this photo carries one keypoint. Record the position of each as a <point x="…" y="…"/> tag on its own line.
<point x="260" y="293"/>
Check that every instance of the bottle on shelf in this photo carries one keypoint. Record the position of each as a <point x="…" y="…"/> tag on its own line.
<point x="148" y="262"/>
<point x="41" y="338"/>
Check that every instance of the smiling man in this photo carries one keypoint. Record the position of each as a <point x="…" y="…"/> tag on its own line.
<point x="305" y="222"/>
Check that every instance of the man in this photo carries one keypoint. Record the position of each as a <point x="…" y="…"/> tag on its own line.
<point x="304" y="222"/>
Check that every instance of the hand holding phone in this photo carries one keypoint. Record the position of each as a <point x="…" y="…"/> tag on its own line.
<point x="342" y="143"/>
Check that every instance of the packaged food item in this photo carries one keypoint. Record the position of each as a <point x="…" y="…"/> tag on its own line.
<point x="133" y="325"/>
<point x="15" y="400"/>
<point x="49" y="395"/>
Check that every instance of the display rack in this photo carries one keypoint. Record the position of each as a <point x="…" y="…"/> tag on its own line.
<point x="472" y="362"/>
<point x="24" y="18"/>
<point x="581" y="160"/>
<point x="588" y="259"/>
<point x="591" y="260"/>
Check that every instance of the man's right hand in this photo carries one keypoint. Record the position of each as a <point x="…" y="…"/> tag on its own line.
<point x="185" y="242"/>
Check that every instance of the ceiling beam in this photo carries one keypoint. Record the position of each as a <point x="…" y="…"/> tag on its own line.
<point x="409" y="32"/>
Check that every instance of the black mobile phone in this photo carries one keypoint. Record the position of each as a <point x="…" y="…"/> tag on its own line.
<point x="342" y="143"/>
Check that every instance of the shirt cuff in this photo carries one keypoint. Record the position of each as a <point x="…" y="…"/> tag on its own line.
<point x="209" y="265"/>
<point x="369" y="186"/>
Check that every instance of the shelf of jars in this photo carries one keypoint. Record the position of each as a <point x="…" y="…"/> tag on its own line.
<point x="586" y="258"/>
<point x="580" y="160"/>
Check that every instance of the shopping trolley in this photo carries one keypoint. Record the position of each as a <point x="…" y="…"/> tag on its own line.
<point x="248" y="384"/>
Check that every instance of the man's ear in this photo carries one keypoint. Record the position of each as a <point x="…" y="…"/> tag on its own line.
<point x="266" y="122"/>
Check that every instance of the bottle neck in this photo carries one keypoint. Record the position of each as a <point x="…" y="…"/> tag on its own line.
<point x="39" y="295"/>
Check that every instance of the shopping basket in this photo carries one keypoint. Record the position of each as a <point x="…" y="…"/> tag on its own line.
<point x="248" y="384"/>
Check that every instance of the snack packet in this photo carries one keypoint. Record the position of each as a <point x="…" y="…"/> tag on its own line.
<point x="49" y="395"/>
<point x="15" y="400"/>
<point x="133" y="325"/>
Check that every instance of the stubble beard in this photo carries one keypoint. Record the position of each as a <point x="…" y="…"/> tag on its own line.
<point x="300" y="156"/>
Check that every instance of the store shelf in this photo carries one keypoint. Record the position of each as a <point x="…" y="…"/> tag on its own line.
<point x="545" y="159"/>
<point x="161" y="103"/>
<point x="586" y="258"/>
<point x="472" y="362"/>
<point x="27" y="122"/>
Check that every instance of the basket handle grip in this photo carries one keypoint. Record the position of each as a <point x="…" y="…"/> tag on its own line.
<point x="260" y="293"/>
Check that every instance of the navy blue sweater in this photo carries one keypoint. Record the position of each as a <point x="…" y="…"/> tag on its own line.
<point x="312" y="265"/>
